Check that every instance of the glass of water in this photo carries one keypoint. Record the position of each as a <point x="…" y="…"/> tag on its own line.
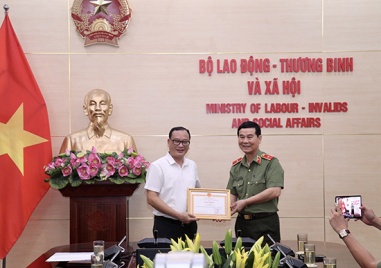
<point x="99" y="247"/>
<point x="329" y="262"/>
<point x="96" y="261"/>
<point x="309" y="254"/>
<point x="302" y="239"/>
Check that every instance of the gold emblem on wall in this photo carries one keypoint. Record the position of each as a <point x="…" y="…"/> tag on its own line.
<point x="101" y="21"/>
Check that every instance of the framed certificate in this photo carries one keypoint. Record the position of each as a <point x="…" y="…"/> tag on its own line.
<point x="213" y="204"/>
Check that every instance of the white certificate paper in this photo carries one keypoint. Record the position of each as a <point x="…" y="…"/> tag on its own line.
<point x="209" y="203"/>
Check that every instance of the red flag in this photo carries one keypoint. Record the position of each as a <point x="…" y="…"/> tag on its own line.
<point x="25" y="145"/>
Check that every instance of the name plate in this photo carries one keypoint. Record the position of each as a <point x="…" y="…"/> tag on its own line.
<point x="212" y="204"/>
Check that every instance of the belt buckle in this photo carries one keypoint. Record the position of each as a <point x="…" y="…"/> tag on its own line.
<point x="247" y="216"/>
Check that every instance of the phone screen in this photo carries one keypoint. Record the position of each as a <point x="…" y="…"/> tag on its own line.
<point x="350" y="205"/>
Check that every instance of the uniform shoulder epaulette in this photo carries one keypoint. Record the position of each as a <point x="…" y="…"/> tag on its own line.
<point x="235" y="162"/>
<point x="267" y="156"/>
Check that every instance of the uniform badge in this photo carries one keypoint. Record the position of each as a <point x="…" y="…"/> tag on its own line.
<point x="101" y="21"/>
<point x="267" y="156"/>
<point x="237" y="161"/>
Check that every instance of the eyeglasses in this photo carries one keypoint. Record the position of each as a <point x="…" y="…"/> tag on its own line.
<point x="178" y="142"/>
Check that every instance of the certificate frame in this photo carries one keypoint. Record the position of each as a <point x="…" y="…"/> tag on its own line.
<point x="210" y="204"/>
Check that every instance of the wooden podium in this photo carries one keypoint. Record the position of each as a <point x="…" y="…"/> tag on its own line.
<point x="99" y="211"/>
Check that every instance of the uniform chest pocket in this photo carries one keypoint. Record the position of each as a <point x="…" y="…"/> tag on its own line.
<point x="238" y="185"/>
<point x="257" y="185"/>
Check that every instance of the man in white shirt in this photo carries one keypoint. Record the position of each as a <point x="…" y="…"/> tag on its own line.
<point x="167" y="183"/>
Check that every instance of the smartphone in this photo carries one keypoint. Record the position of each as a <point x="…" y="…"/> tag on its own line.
<point x="350" y="205"/>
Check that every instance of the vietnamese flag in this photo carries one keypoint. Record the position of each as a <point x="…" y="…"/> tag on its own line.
<point x="25" y="145"/>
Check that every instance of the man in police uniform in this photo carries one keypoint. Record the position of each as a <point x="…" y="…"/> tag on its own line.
<point x="255" y="184"/>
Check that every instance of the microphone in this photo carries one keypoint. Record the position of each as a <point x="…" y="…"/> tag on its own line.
<point x="155" y="235"/>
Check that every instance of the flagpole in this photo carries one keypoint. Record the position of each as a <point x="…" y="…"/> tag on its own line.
<point x="6" y="8"/>
<point x="3" y="261"/>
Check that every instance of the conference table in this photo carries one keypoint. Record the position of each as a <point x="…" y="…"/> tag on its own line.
<point x="40" y="262"/>
<point x="329" y="249"/>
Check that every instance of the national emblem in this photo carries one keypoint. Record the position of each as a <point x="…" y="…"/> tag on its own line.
<point x="101" y="21"/>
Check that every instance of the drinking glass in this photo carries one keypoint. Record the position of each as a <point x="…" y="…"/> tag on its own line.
<point x="302" y="239"/>
<point x="96" y="261"/>
<point x="309" y="254"/>
<point x="329" y="262"/>
<point x="99" y="253"/>
<point x="99" y="247"/>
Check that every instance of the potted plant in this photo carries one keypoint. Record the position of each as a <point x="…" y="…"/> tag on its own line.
<point x="256" y="257"/>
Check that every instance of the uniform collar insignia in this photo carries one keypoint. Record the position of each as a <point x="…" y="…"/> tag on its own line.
<point x="235" y="162"/>
<point x="267" y="156"/>
<point x="258" y="160"/>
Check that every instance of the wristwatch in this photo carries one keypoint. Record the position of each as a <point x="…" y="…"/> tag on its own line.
<point x="344" y="233"/>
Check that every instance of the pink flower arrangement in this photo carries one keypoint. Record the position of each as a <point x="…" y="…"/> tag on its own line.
<point x="76" y="167"/>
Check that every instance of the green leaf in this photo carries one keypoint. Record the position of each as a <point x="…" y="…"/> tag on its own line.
<point x="228" y="242"/>
<point x="216" y="254"/>
<point x="276" y="260"/>
<point x="250" y="260"/>
<point x="138" y="180"/>
<point x="238" y="244"/>
<point x="58" y="183"/>
<point x="132" y="176"/>
<point x="75" y="181"/>
<point x="56" y="173"/>
<point x="147" y="262"/>
<point x="228" y="261"/>
<point x="117" y="180"/>
<point x="209" y="258"/>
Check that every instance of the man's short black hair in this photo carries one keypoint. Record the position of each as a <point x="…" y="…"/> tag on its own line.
<point x="177" y="129"/>
<point x="250" y="124"/>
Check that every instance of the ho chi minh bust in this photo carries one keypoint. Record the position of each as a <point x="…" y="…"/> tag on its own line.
<point x="97" y="106"/>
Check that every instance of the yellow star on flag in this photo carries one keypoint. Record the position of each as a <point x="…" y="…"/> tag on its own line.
<point x="100" y="6"/>
<point x="13" y="138"/>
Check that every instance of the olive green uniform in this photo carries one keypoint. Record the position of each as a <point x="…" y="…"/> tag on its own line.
<point x="264" y="172"/>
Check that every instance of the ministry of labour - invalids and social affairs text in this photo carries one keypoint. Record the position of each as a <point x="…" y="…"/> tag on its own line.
<point x="313" y="107"/>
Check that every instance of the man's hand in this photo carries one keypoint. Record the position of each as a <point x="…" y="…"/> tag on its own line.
<point x="186" y="217"/>
<point x="337" y="220"/>
<point x="368" y="215"/>
<point x="237" y="206"/>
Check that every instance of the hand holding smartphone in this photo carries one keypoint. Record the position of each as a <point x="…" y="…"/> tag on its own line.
<point x="350" y="206"/>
